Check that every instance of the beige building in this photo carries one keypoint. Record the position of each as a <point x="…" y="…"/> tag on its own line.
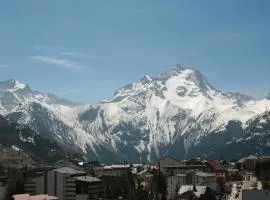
<point x="35" y="184"/>
<point x="192" y="177"/>
<point x="170" y="166"/>
<point x="112" y="170"/>
<point x="170" y="170"/>
<point x="174" y="183"/>
<point x="65" y="183"/>
<point x="167" y="161"/>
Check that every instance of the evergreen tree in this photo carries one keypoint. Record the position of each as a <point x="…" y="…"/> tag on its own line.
<point x="142" y="193"/>
<point x="262" y="170"/>
<point x="265" y="185"/>
<point x="159" y="186"/>
<point x="208" y="195"/>
<point x="238" y="166"/>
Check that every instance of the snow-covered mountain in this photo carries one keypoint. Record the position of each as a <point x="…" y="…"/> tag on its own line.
<point x="254" y="139"/>
<point x="21" y="138"/>
<point x="179" y="112"/>
<point x="45" y="113"/>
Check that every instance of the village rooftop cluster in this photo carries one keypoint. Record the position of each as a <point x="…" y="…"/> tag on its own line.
<point x="169" y="178"/>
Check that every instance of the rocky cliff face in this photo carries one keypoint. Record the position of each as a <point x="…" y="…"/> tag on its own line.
<point x="24" y="141"/>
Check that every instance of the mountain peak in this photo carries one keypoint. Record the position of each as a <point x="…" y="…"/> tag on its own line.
<point x="181" y="67"/>
<point x="185" y="75"/>
<point x="190" y="73"/>
<point x="13" y="85"/>
<point x="177" y="69"/>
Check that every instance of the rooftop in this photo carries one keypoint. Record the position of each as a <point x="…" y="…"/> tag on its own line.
<point x="204" y="174"/>
<point x="265" y="157"/>
<point x="89" y="179"/>
<point x="232" y="170"/>
<point x="149" y="175"/>
<point x="184" y="166"/>
<point x="117" y="167"/>
<point x="199" y="189"/>
<point x="68" y="170"/>
<point x="36" y="197"/>
<point x="142" y="172"/>
<point x="249" y="157"/>
<point x="181" y="175"/>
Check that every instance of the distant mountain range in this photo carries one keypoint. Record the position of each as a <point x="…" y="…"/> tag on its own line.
<point x="179" y="113"/>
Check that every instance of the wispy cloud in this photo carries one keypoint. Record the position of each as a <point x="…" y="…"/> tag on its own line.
<point x="45" y="47"/>
<point x="80" y="55"/>
<point x="3" y="65"/>
<point x="69" y="64"/>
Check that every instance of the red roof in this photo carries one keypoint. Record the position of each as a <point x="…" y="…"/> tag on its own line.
<point x="214" y="164"/>
<point x="36" y="197"/>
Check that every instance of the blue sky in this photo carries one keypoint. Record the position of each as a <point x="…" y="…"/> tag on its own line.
<point x="83" y="50"/>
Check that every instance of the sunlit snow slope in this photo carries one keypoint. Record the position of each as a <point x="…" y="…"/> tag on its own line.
<point x="172" y="113"/>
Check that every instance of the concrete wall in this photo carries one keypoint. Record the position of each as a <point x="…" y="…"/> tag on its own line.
<point x="95" y="190"/>
<point x="173" y="181"/>
<point x="40" y="187"/>
<point x="81" y="197"/>
<point x="2" y="192"/>
<point x="167" y="161"/>
<point x="255" y="194"/>
<point x="30" y="186"/>
<point x="60" y="185"/>
<point x="168" y="171"/>
<point x="51" y="183"/>
<point x="70" y="188"/>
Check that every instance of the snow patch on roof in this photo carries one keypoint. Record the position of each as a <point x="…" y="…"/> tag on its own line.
<point x="198" y="192"/>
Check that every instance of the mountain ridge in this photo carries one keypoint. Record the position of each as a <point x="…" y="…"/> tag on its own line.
<point x="170" y="113"/>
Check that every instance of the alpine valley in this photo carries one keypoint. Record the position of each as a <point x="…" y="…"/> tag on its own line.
<point x="178" y="113"/>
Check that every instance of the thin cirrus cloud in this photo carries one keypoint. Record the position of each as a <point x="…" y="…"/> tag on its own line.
<point x="45" y="47"/>
<point x="80" y="55"/>
<point x="3" y="65"/>
<point x="68" y="64"/>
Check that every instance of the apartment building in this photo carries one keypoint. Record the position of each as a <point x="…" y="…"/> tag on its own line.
<point x="168" y="161"/>
<point x="112" y="170"/>
<point x="174" y="183"/>
<point x="191" y="177"/>
<point x="65" y="183"/>
<point x="170" y="166"/>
